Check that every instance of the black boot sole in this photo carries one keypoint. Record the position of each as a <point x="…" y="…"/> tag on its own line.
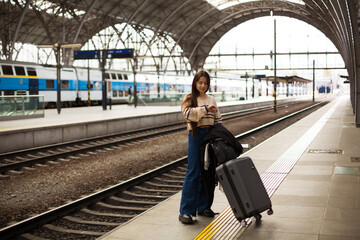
<point x="186" y="220"/>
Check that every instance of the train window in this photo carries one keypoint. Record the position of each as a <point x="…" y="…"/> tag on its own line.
<point x="20" y="70"/>
<point x="119" y="76"/>
<point x="7" y="70"/>
<point x="50" y="83"/>
<point x="9" y="92"/>
<point x="113" y="76"/>
<point x="114" y="93"/>
<point x="31" y="71"/>
<point x="107" y="76"/>
<point x="64" y="84"/>
<point x="21" y="92"/>
<point x="125" y="76"/>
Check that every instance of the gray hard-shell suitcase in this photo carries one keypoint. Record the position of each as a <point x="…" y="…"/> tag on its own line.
<point x="243" y="188"/>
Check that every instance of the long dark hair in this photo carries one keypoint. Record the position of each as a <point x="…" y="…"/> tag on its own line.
<point x="192" y="97"/>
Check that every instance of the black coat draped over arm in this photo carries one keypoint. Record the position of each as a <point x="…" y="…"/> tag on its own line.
<point x="217" y="133"/>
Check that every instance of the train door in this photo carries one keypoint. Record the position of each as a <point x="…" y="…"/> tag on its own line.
<point x="33" y="86"/>
<point x="108" y="89"/>
<point x="108" y="92"/>
<point x="33" y="90"/>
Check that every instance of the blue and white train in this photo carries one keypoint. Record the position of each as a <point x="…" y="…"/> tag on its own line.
<point x="20" y="78"/>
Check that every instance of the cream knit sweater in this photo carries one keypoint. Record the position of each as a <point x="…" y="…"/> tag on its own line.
<point x="200" y="114"/>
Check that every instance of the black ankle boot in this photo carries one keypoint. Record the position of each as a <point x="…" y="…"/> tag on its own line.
<point x="207" y="213"/>
<point x="186" y="219"/>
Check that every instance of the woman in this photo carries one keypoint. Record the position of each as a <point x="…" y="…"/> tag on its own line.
<point x="201" y="112"/>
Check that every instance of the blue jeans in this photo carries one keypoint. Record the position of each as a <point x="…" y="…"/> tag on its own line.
<point x="194" y="198"/>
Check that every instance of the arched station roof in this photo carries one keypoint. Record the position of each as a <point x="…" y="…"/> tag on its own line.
<point x="195" y="25"/>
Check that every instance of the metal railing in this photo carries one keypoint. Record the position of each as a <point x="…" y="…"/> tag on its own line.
<point x="20" y="107"/>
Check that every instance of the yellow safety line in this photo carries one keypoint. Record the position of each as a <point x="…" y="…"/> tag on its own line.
<point x="215" y="225"/>
<point x="210" y="227"/>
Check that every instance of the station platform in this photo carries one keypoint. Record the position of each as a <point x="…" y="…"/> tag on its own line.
<point x="84" y="114"/>
<point x="311" y="173"/>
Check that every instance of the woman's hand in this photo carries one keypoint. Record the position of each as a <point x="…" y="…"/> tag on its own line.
<point x="212" y="108"/>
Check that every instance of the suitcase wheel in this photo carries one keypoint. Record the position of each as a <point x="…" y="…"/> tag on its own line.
<point x="243" y="223"/>
<point x="270" y="211"/>
<point x="258" y="217"/>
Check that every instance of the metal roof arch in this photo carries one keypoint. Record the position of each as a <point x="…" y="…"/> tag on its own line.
<point x="166" y="20"/>
<point x="245" y="13"/>
<point x="189" y="22"/>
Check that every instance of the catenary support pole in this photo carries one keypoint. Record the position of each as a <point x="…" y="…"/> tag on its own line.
<point x="314" y="80"/>
<point x="275" y="83"/>
<point x="58" y="76"/>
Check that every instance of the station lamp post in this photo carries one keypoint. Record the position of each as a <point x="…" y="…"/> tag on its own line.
<point x="246" y="86"/>
<point x="135" y="65"/>
<point x="57" y="47"/>
<point x="314" y="80"/>
<point x="275" y="83"/>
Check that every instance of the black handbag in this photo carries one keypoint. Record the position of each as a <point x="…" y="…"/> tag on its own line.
<point x="223" y="151"/>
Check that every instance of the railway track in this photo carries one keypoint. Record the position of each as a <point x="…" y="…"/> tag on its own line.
<point x="16" y="162"/>
<point x="94" y="215"/>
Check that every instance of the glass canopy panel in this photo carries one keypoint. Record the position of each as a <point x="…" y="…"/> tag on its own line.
<point x="222" y="4"/>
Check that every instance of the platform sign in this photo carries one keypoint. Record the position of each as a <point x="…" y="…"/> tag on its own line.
<point x="94" y="54"/>
<point x="258" y="76"/>
<point x="120" y="53"/>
